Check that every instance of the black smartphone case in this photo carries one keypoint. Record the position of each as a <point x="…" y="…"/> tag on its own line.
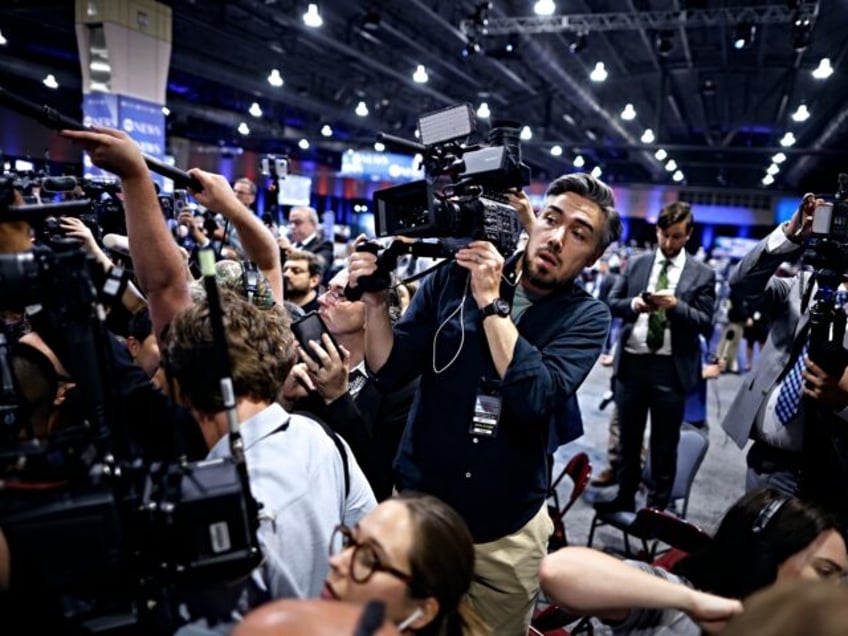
<point x="310" y="327"/>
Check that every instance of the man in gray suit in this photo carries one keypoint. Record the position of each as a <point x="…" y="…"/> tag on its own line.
<point x="665" y="299"/>
<point x="758" y="411"/>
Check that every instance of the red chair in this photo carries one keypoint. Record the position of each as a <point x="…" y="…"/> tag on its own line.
<point x="579" y="469"/>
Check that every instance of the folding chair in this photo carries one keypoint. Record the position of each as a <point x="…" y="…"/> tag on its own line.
<point x="579" y="469"/>
<point x="691" y="451"/>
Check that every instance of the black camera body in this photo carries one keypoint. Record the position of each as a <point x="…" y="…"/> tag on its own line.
<point x="461" y="198"/>
<point x="827" y="246"/>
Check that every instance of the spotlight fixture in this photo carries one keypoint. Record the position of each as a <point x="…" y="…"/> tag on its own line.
<point x="312" y="18"/>
<point x="578" y="44"/>
<point x="50" y="81"/>
<point x="773" y="169"/>
<point x="778" y="158"/>
<point x="544" y="7"/>
<point x="660" y="154"/>
<point x="768" y="180"/>
<point x="744" y="35"/>
<point x="597" y="172"/>
<point x="671" y="165"/>
<point x="579" y="161"/>
<point x="664" y="42"/>
<point x="243" y="129"/>
<point x="629" y="113"/>
<point x="648" y="136"/>
<point x="3" y="40"/>
<point x="379" y="146"/>
<point x="274" y="78"/>
<point x="420" y="75"/>
<point x="526" y="134"/>
<point x="483" y="111"/>
<point x="824" y="69"/>
<point x="166" y="111"/>
<point x="677" y="177"/>
<point x="303" y="144"/>
<point x="556" y="151"/>
<point x="361" y="109"/>
<point x="787" y="140"/>
<point x="327" y="130"/>
<point x="599" y="73"/>
<point x="255" y="110"/>
<point x="801" y="114"/>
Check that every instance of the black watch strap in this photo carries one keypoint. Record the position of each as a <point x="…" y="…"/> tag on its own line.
<point x="498" y="307"/>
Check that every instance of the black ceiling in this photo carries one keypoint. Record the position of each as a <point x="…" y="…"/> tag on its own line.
<point x="718" y="111"/>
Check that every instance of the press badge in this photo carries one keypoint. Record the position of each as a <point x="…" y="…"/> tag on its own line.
<point x="487" y="412"/>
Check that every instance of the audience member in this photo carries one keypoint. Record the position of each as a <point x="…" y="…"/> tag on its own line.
<point x="305" y="235"/>
<point x="499" y="349"/>
<point x="302" y="279"/>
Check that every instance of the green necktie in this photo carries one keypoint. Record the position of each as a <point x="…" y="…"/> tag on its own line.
<point x="657" y="320"/>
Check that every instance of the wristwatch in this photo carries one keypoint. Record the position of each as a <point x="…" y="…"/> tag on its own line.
<point x="498" y="307"/>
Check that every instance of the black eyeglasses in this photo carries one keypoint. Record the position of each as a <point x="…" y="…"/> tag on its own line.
<point x="364" y="560"/>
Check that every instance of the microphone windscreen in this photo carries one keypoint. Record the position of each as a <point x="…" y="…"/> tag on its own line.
<point x="58" y="184"/>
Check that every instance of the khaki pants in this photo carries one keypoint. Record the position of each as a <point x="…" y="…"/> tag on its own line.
<point x="506" y="576"/>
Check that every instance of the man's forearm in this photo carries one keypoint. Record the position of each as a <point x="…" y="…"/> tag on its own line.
<point x="379" y="337"/>
<point x="501" y="335"/>
<point x="259" y="245"/>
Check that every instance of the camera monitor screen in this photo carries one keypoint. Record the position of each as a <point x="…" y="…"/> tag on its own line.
<point x="403" y="210"/>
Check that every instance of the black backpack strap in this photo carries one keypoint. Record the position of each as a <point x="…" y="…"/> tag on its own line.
<point x="336" y="440"/>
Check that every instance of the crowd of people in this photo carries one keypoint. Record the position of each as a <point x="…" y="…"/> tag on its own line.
<point x="401" y="461"/>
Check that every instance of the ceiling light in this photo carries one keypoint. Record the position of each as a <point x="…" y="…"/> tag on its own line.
<point x="303" y="144"/>
<point x="744" y="35"/>
<point x="243" y="129"/>
<point x="544" y="7"/>
<point x="420" y="75"/>
<point x="50" y="81"/>
<point x="556" y="151"/>
<point x="664" y="43"/>
<point x="371" y="20"/>
<point x="677" y="176"/>
<point x="628" y="113"/>
<point x="417" y="133"/>
<point x="312" y="18"/>
<point x="483" y="112"/>
<point x="772" y="169"/>
<point x="361" y="109"/>
<point x="579" y="161"/>
<point x="326" y="130"/>
<point x="768" y="180"/>
<point x="597" y="172"/>
<point x="166" y="111"/>
<point x="526" y="134"/>
<point x="648" y="136"/>
<point x="779" y="158"/>
<point x="824" y="69"/>
<point x="275" y="79"/>
<point x="671" y="165"/>
<point x="660" y="154"/>
<point x="255" y="110"/>
<point x="579" y="44"/>
<point x="3" y="40"/>
<point x="599" y="73"/>
<point x="787" y="140"/>
<point x="801" y="114"/>
<point x="379" y="146"/>
<point x="100" y="66"/>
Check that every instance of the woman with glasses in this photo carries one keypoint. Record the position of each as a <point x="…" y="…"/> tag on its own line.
<point x="414" y="553"/>
<point x="765" y="538"/>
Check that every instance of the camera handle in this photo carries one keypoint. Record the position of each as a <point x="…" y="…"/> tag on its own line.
<point x="387" y="262"/>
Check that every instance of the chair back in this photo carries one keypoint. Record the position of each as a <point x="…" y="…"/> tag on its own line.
<point x="579" y="469"/>
<point x="691" y="450"/>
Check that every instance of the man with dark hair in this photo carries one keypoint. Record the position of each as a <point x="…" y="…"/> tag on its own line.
<point x="302" y="279"/>
<point x="500" y="347"/>
<point x="665" y="299"/>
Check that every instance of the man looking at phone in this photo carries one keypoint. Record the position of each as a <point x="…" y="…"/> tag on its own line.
<point x="500" y="347"/>
<point x="665" y="299"/>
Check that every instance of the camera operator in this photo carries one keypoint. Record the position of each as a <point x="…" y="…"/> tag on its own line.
<point x="768" y="408"/>
<point x="500" y="347"/>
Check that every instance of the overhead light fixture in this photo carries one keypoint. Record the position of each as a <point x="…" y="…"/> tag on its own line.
<point x="3" y="40"/>
<point x="664" y="43"/>
<point x="275" y="79"/>
<point x="371" y="20"/>
<point x="648" y="136"/>
<point x="824" y="69"/>
<point x="544" y="7"/>
<point x="255" y="110"/>
<point x="597" y="172"/>
<point x="660" y="154"/>
<point x="556" y="151"/>
<point x="744" y="35"/>
<point x="801" y="114"/>
<point x="677" y="177"/>
<point x="526" y="134"/>
<point x="578" y="44"/>
<point x="801" y="32"/>
<point x="100" y="66"/>
<point x="778" y="158"/>
<point x="773" y="169"/>
<point x="312" y="18"/>
<point x="416" y="133"/>
<point x="166" y="111"/>
<point x="768" y="180"/>
<point x="420" y="75"/>
<point x="483" y="111"/>
<point x="579" y="161"/>
<point x="671" y="165"/>
<point x="629" y="113"/>
<point x="303" y="144"/>
<point x="243" y="129"/>
<point x="326" y="130"/>
<point x="361" y="109"/>
<point x="379" y="146"/>
<point x="787" y="140"/>
<point x="599" y="73"/>
<point x="50" y="81"/>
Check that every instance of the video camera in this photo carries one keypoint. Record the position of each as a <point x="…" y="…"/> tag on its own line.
<point x="461" y="199"/>
<point x="116" y="535"/>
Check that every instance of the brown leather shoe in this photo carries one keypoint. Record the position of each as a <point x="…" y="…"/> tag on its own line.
<point x="605" y="478"/>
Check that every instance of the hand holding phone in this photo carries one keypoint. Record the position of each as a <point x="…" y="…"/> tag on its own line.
<point x="311" y="327"/>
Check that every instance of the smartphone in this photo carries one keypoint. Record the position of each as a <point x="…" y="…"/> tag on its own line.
<point x="311" y="327"/>
<point x="180" y="201"/>
<point x="646" y="296"/>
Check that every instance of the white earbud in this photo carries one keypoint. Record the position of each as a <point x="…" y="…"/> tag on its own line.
<point x="418" y="613"/>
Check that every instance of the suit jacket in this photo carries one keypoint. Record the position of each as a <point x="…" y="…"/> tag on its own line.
<point x="693" y="315"/>
<point x="607" y="284"/>
<point x="779" y="299"/>
<point x="322" y="248"/>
